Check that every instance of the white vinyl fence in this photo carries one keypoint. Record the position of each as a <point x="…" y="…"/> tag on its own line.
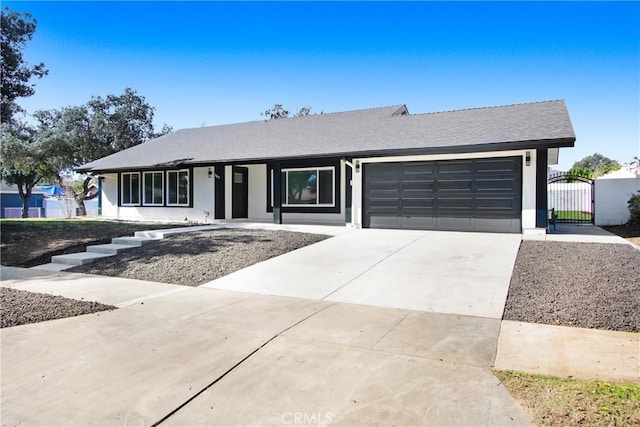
<point x="612" y="197"/>
<point x="569" y="196"/>
<point x="64" y="208"/>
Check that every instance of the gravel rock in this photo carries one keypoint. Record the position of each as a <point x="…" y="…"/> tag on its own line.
<point x="195" y="258"/>
<point x="588" y="285"/>
<point x="20" y="307"/>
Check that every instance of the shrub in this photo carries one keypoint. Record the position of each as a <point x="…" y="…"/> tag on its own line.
<point x="634" y="209"/>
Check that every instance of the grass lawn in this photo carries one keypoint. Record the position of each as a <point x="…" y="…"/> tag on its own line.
<point x="29" y="242"/>
<point x="574" y="215"/>
<point x="568" y="402"/>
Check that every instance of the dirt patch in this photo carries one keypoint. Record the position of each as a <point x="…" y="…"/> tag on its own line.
<point x="26" y="243"/>
<point x="195" y="258"/>
<point x="631" y="233"/>
<point x="588" y="285"/>
<point x="21" y="307"/>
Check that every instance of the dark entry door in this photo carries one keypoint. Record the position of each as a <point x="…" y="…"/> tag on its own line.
<point x="240" y="193"/>
<point x="461" y="195"/>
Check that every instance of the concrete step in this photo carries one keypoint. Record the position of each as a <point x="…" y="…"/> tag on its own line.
<point x="52" y="267"/>
<point x="132" y="241"/>
<point x="80" y="258"/>
<point x="110" y="249"/>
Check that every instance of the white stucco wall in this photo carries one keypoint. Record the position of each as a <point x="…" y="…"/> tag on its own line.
<point x="528" y="180"/>
<point x="203" y="200"/>
<point x="611" y="198"/>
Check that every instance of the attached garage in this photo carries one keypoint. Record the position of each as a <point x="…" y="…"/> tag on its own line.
<point x="464" y="195"/>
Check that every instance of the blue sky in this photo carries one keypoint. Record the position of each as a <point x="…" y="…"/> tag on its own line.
<point x="208" y="63"/>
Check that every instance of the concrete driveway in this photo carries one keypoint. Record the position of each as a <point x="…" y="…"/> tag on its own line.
<point x="309" y="354"/>
<point x="433" y="271"/>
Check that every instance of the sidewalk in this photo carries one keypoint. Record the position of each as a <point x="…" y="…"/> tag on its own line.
<point x="178" y="355"/>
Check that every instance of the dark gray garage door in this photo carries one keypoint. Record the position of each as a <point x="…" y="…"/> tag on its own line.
<point x="467" y="195"/>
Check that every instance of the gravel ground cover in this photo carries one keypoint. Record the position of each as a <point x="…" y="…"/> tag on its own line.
<point x="195" y="258"/>
<point x="20" y="307"/>
<point x="588" y="285"/>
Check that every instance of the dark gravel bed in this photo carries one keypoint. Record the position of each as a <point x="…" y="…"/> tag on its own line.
<point x="195" y="258"/>
<point x="587" y="285"/>
<point x="21" y="307"/>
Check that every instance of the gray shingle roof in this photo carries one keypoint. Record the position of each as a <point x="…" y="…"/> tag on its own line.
<point x="376" y="131"/>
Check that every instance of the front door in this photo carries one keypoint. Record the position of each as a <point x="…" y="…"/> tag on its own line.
<point x="240" y="193"/>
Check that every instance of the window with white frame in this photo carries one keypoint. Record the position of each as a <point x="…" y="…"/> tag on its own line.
<point x="153" y="185"/>
<point x="178" y="187"/>
<point x="130" y="189"/>
<point x="309" y="186"/>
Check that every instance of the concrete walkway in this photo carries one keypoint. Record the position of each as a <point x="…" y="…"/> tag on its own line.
<point x="198" y="356"/>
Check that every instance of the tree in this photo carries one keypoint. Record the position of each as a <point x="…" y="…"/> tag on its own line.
<point x="23" y="160"/>
<point x="596" y="163"/>
<point x="17" y="30"/>
<point x="278" y="112"/>
<point x="80" y="134"/>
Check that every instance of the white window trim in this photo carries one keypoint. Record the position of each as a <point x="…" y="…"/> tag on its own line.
<point x="162" y="190"/>
<point x="122" y="202"/>
<point x="317" y="204"/>
<point x="177" y="172"/>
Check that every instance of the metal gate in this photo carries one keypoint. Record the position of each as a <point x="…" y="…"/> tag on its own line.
<point x="571" y="196"/>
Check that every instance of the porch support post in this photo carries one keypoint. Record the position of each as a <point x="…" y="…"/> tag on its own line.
<point x="218" y="176"/>
<point x="277" y="193"/>
<point x="541" y="188"/>
<point x="348" y="194"/>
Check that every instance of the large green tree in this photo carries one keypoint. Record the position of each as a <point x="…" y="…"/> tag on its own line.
<point x="16" y="73"/>
<point x="594" y="166"/>
<point x="80" y="134"/>
<point x="24" y="160"/>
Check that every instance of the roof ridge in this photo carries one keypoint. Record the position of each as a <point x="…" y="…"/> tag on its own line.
<point x="345" y="111"/>
<point x="396" y="106"/>
<point x="487" y="108"/>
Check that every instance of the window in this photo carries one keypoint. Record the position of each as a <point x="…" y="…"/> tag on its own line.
<point x="153" y="184"/>
<point x="308" y="186"/>
<point x="178" y="188"/>
<point x="130" y="189"/>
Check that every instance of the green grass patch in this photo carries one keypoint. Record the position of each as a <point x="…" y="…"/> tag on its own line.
<point x="570" y="402"/>
<point x="574" y="215"/>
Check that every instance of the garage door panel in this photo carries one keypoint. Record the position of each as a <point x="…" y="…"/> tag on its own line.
<point x="496" y="185"/>
<point x="455" y="167"/>
<point x="455" y="185"/>
<point x="495" y="204"/>
<point x="475" y="194"/>
<point x="423" y="185"/>
<point x="505" y="165"/>
<point x="425" y="169"/>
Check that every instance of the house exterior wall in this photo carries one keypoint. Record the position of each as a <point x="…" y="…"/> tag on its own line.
<point x="203" y="200"/>
<point x="611" y="199"/>
<point x="258" y="200"/>
<point x="203" y="193"/>
<point x="528" y="180"/>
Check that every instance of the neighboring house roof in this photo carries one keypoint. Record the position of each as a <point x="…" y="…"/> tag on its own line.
<point x="371" y="132"/>
<point x="624" y="172"/>
<point x="13" y="189"/>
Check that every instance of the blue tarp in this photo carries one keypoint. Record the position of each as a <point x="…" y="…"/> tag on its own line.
<point x="52" y="190"/>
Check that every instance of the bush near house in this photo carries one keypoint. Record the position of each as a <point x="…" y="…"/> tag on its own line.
<point x="634" y="210"/>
